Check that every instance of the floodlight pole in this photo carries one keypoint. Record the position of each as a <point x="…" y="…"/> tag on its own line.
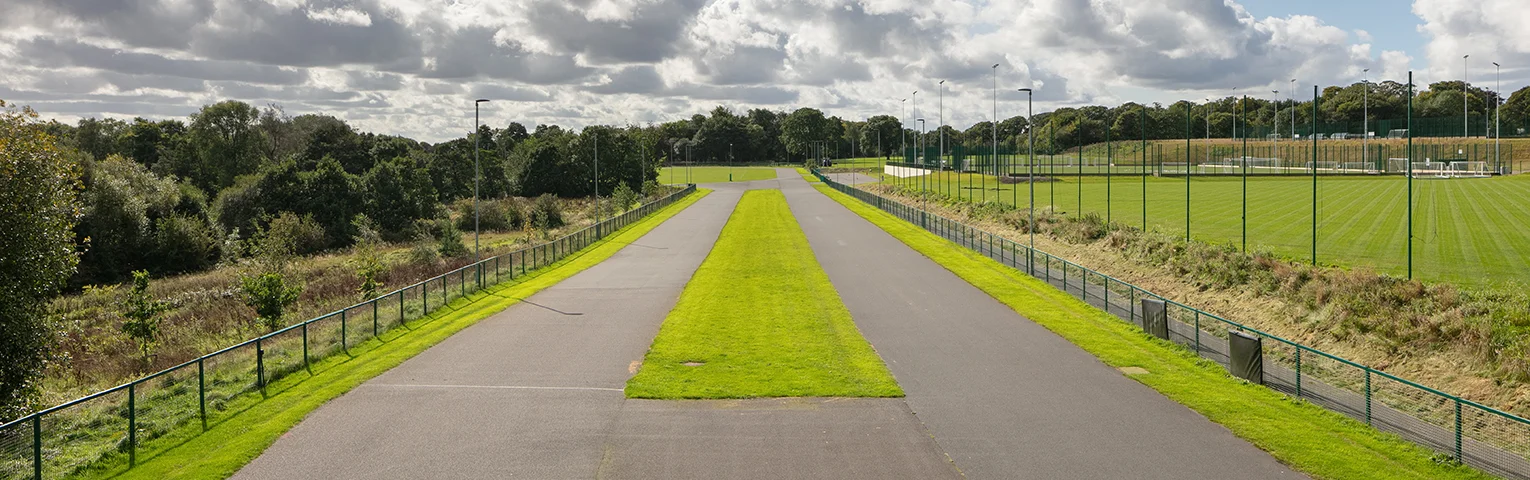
<point x="1314" y="173"/>
<point x="1410" y="175"/>
<point x="924" y="183"/>
<point x="1030" y="149"/>
<point x="1189" y="112"/>
<point x="1365" y="122"/>
<point x="994" y="157"/>
<point x="730" y="162"/>
<point x="477" y="254"/>
<point x="1293" y="111"/>
<point x="1465" y="117"/>
<point x="1275" y="120"/>
<point x="1497" y="115"/>
<point x="1142" y="121"/>
<point x="598" y="205"/>
<point x="941" y="112"/>
<point x="1243" y="109"/>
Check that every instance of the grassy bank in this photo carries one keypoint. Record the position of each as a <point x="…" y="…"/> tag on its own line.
<point x="713" y="174"/>
<point x="1313" y="440"/>
<point x="252" y="421"/>
<point x="760" y="319"/>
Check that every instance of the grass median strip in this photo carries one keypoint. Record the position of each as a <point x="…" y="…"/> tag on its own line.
<point x="678" y="175"/>
<point x="230" y="443"/>
<point x="760" y="319"/>
<point x="1311" y="439"/>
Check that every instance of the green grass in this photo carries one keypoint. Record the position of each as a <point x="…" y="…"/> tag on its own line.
<point x="1468" y="231"/>
<point x="237" y="438"/>
<point x="677" y="175"/>
<point x="762" y="320"/>
<point x="1318" y="442"/>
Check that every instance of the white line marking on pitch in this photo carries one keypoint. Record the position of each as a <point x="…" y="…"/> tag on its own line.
<point x="503" y="387"/>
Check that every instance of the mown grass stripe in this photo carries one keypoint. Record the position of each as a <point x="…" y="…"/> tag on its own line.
<point x="760" y="319"/>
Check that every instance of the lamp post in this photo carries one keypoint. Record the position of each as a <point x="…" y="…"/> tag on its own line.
<point x="994" y="157"/>
<point x="598" y="205"/>
<point x="730" y="162"/>
<point x="941" y="112"/>
<point x="477" y="256"/>
<point x="924" y="180"/>
<point x="1293" y="109"/>
<point x="1275" y="120"/>
<point x="1365" y="133"/>
<point x="916" y="115"/>
<point x="903" y="142"/>
<point x="1497" y="112"/>
<point x="1030" y="149"/>
<point x="1464" y="116"/>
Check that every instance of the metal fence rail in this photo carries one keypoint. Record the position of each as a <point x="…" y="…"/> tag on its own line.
<point x="64" y="439"/>
<point x="1491" y="440"/>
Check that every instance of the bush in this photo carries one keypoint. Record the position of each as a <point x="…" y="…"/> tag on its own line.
<point x="301" y="234"/>
<point x="270" y="295"/>
<point x="495" y="215"/>
<point x="368" y="260"/>
<point x="545" y="213"/>
<point x="450" y="239"/>
<point x="183" y="244"/>
<point x="623" y="198"/>
<point x="141" y="314"/>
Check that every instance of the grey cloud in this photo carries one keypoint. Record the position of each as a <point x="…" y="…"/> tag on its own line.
<point x="141" y="23"/>
<point x="50" y="53"/>
<point x="513" y="94"/>
<point x="652" y="34"/>
<point x="743" y="66"/>
<point x="260" y="32"/>
<point x="127" y="82"/>
<point x="374" y="80"/>
<point x="634" y="79"/>
<point x="747" y="94"/>
<point x="471" y="52"/>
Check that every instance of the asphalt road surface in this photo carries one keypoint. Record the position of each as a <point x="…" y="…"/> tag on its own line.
<point x="1002" y="396"/>
<point x="535" y="392"/>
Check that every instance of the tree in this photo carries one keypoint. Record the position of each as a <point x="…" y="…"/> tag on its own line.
<point x="368" y="260"/>
<point x="141" y="315"/>
<point x="38" y="209"/>
<point x="397" y="192"/>
<point x="265" y="285"/>
<point x="122" y="201"/>
<point x="222" y="144"/>
<point x="803" y="127"/>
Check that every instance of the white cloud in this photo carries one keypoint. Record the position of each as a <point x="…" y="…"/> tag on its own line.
<point x="1488" y="30"/>
<point x="410" y="66"/>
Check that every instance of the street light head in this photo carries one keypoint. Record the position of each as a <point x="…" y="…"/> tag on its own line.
<point x="481" y="100"/>
<point x="1026" y="90"/>
<point x="995" y="65"/>
<point x="1467" y="55"/>
<point x="1496" y="64"/>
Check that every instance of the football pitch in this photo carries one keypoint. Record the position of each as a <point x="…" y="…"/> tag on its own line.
<point x="1465" y="230"/>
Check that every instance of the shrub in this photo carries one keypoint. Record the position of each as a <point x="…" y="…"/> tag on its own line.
<point x="450" y="239"/>
<point x="623" y="198"/>
<point x="545" y="213"/>
<point x="141" y="314"/>
<point x="299" y="234"/>
<point x="499" y="215"/>
<point x="367" y="260"/>
<point x="269" y="294"/>
<point x="183" y="243"/>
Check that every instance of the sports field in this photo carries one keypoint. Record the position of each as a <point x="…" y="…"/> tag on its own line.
<point x="683" y="175"/>
<point x="1466" y="230"/>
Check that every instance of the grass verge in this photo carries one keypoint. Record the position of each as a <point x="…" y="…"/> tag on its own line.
<point x="234" y="440"/>
<point x="677" y="175"/>
<point x="1309" y="438"/>
<point x="760" y="319"/>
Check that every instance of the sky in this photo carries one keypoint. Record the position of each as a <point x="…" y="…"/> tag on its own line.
<point x="413" y="67"/>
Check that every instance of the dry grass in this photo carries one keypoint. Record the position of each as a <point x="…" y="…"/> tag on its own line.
<point x="210" y="313"/>
<point x="1474" y="342"/>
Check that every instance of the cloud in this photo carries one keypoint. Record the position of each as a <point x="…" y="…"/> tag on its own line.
<point x="412" y="67"/>
<point x="1488" y="30"/>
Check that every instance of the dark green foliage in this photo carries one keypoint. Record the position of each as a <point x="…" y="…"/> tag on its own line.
<point x="545" y="213"/>
<point x="368" y="260"/>
<point x="269" y="294"/>
<point x="38" y="211"/>
<point x="398" y="192"/>
<point x="183" y="243"/>
<point x="294" y="234"/>
<point x="450" y="239"/>
<point x="623" y="198"/>
<point x="331" y="197"/>
<point x="499" y="215"/>
<point x="141" y="314"/>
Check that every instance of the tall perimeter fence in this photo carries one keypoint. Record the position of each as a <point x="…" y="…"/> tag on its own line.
<point x="63" y="440"/>
<point x="1229" y="157"/>
<point x="1474" y="434"/>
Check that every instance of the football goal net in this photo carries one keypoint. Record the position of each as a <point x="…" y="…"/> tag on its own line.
<point x="1398" y="133"/>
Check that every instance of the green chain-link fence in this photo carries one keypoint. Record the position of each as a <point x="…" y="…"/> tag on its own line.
<point x="64" y="439"/>
<point x="1477" y="435"/>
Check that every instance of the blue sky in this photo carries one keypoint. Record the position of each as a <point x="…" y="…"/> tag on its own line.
<point x="1391" y="23"/>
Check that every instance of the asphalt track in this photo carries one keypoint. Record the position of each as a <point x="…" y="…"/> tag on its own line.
<point x="535" y="392"/>
<point x="1002" y="396"/>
